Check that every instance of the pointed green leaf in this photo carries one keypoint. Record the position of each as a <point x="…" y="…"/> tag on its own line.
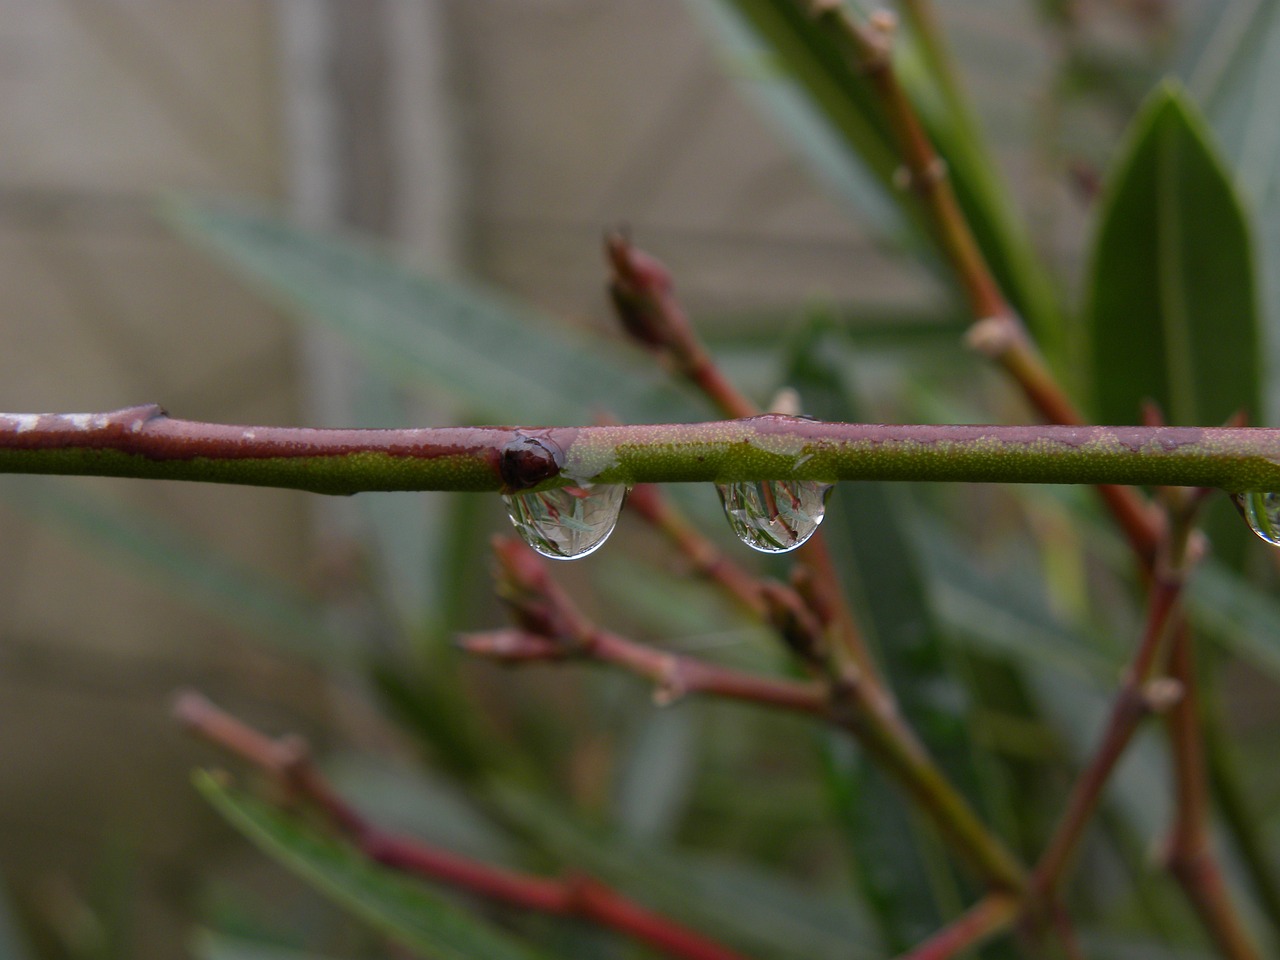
<point x="503" y="362"/>
<point x="1172" y="315"/>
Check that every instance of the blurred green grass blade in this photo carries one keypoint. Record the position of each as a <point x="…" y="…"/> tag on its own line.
<point x="768" y="917"/>
<point x="1243" y="617"/>
<point x="657" y="771"/>
<point x="199" y="572"/>
<point x="407" y="911"/>
<point x="1172" y="314"/>
<point x="1005" y="615"/>
<point x="208" y="945"/>
<point x="501" y="361"/>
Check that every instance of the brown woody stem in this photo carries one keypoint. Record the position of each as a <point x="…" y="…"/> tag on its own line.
<point x="289" y="762"/>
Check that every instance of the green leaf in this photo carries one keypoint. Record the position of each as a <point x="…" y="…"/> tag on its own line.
<point x="403" y="909"/>
<point x="503" y="362"/>
<point x="1172" y="314"/>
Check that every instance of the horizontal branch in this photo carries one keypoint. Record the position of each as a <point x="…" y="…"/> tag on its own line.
<point x="145" y="442"/>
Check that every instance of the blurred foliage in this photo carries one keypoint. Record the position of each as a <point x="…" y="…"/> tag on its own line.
<point x="1002" y="617"/>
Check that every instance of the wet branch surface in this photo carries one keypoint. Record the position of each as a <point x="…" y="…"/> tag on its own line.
<point x="144" y="442"/>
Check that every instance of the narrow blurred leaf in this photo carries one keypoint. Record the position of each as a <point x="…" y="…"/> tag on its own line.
<point x="503" y="362"/>
<point x="197" y="570"/>
<point x="766" y="916"/>
<point x="1172" y="315"/>
<point x="12" y="944"/>
<point x="1005" y="615"/>
<point x="407" y="911"/>
<point x="657" y="771"/>
<point x="207" y="945"/>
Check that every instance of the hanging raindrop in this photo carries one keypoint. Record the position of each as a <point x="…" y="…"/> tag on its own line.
<point x="566" y="523"/>
<point x="1262" y="511"/>
<point x="774" y="516"/>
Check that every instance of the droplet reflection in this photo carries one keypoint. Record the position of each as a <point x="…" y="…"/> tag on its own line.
<point x="1262" y="511"/>
<point x="566" y="523"/>
<point x="774" y="516"/>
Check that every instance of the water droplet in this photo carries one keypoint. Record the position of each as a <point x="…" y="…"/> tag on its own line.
<point x="1262" y="511"/>
<point x="568" y="522"/>
<point x="774" y="516"/>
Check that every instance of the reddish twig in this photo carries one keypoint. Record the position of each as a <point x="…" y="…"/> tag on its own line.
<point x="704" y="557"/>
<point x="672" y="675"/>
<point x="644" y="297"/>
<point x="1139" y="696"/>
<point x="1189" y="852"/>
<point x="988" y="917"/>
<point x="288" y="761"/>
<point x="997" y="331"/>
<point x="560" y="630"/>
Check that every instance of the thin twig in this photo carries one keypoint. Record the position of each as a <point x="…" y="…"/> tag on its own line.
<point x="288" y="761"/>
<point x="644" y="296"/>
<point x="706" y="559"/>
<point x="560" y="630"/>
<point x="997" y="332"/>
<point x="1189" y="851"/>
<point x="991" y="915"/>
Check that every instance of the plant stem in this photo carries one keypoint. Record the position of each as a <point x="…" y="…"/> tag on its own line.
<point x="673" y="676"/>
<point x="1189" y="851"/>
<point x="288" y="761"/>
<point x="989" y="916"/>
<point x="644" y="296"/>
<point x="554" y="628"/>
<point x="704" y="557"/>
<point x="997" y="331"/>
<point x="143" y="442"/>
<point x="1135" y="701"/>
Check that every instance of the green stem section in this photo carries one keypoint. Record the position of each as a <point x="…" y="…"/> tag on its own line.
<point x="144" y="442"/>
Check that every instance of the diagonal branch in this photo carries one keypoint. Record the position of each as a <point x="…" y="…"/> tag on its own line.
<point x="288" y="761"/>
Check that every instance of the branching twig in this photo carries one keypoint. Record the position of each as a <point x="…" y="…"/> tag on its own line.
<point x="997" y="331"/>
<point x="288" y="761"/>
<point x="644" y="296"/>
<point x="560" y="630"/>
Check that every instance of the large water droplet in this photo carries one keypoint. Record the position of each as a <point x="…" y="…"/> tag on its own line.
<point x="1262" y="510"/>
<point x="774" y="516"/>
<point x="568" y="522"/>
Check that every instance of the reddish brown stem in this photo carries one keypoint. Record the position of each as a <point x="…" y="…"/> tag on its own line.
<point x="673" y="676"/>
<point x="1189" y="852"/>
<point x="704" y="556"/>
<point x="288" y="761"/>
<point x="559" y="629"/>
<point x="644" y="295"/>
<point x="983" y="920"/>
<point x="1136" y="700"/>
